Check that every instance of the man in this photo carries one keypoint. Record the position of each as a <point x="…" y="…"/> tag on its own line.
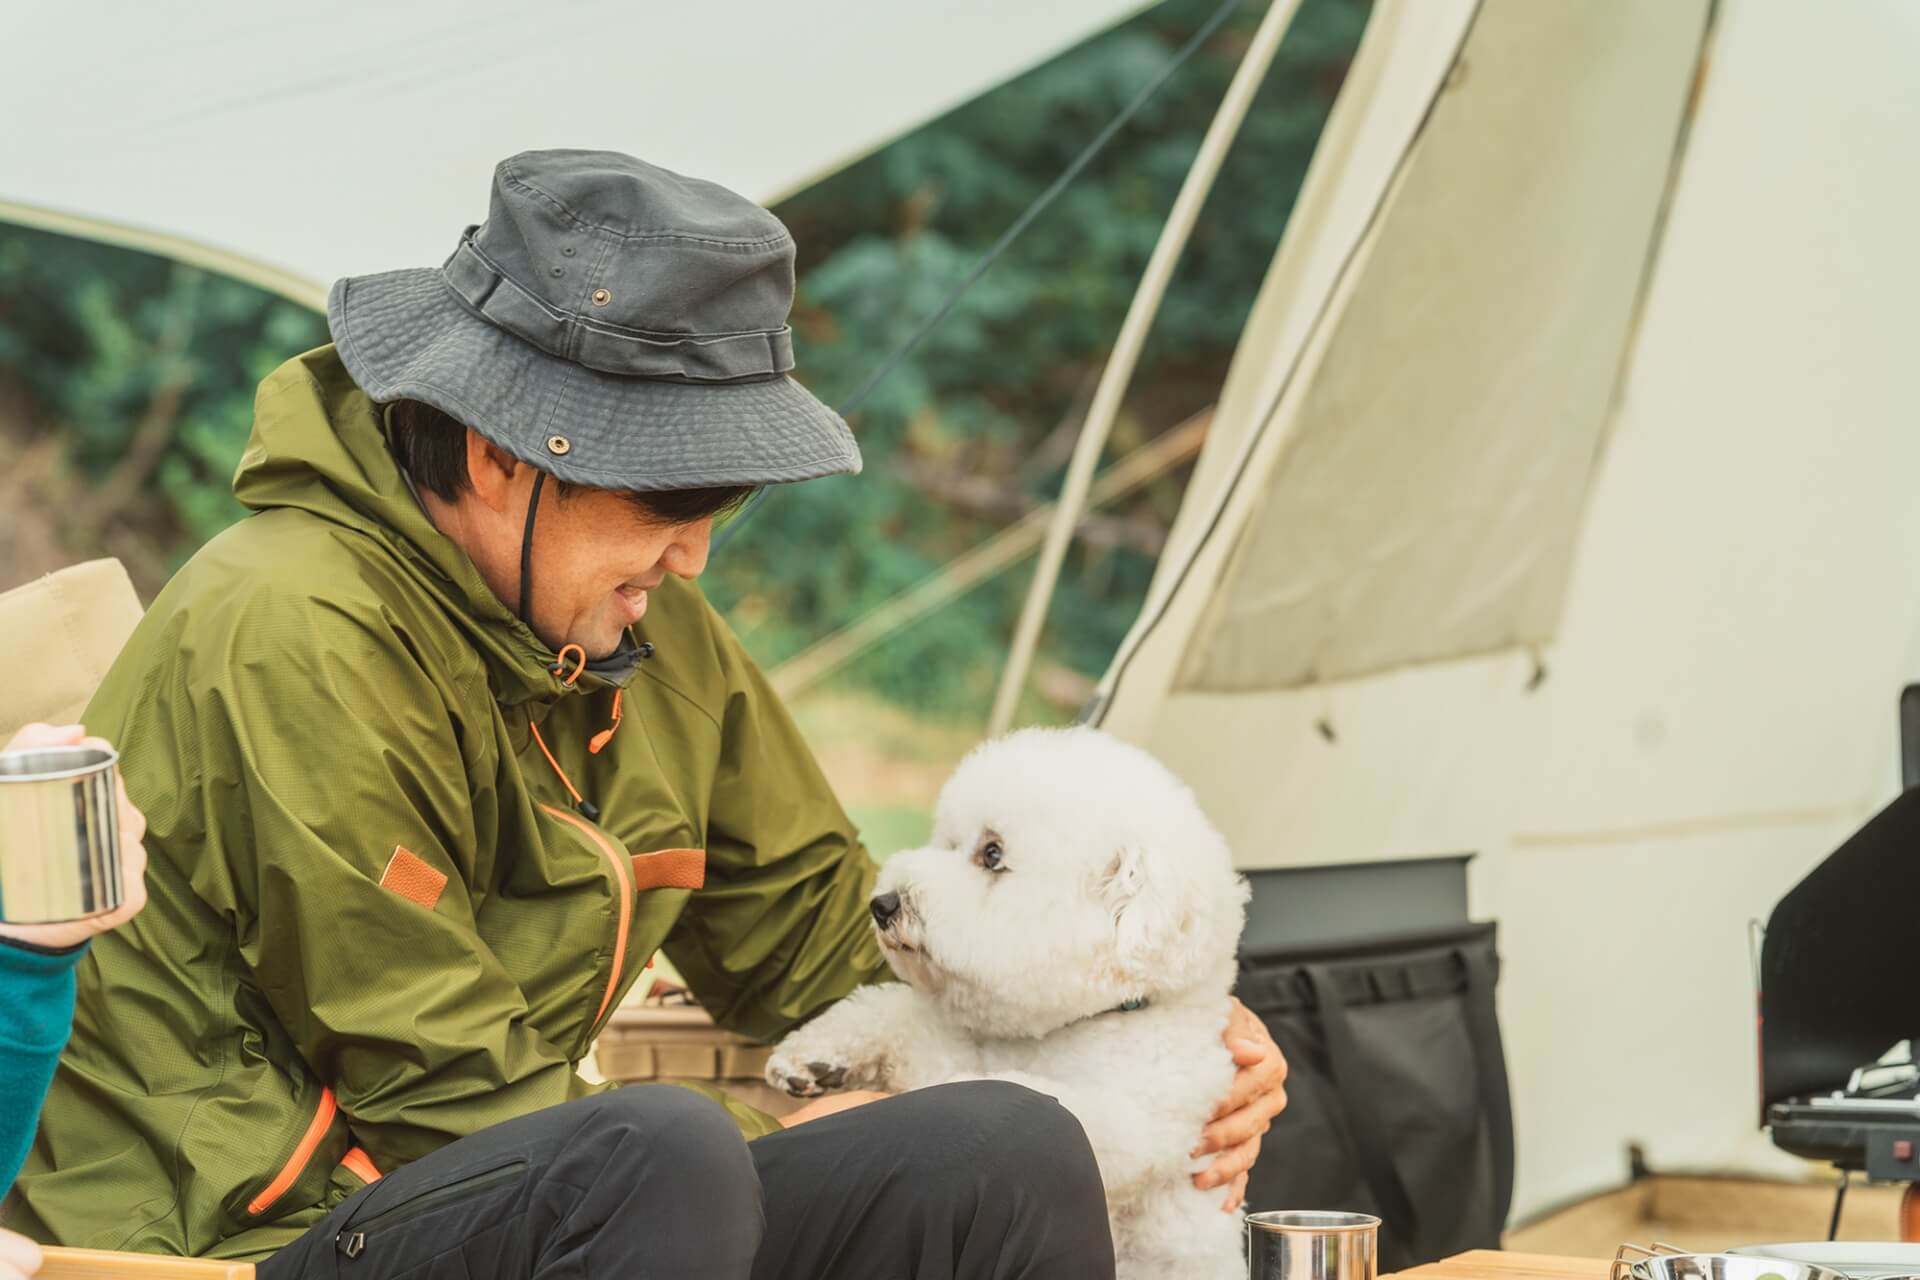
<point x="440" y="745"/>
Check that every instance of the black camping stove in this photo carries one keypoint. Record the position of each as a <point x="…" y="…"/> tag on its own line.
<point x="1840" y="987"/>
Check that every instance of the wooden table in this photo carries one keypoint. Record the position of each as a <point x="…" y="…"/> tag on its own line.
<point x="1481" y="1264"/>
<point x="1491" y="1264"/>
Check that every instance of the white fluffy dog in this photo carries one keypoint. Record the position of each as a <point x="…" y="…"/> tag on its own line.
<point x="1071" y="928"/>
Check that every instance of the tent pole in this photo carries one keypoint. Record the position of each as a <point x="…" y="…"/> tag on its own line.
<point x="1126" y="353"/>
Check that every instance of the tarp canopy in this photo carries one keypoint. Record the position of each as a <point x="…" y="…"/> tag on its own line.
<point x="292" y="144"/>
<point x="1559" y="509"/>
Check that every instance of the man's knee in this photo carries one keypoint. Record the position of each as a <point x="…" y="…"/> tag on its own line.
<point x="1042" y="1141"/>
<point x="666" y="1131"/>
<point x="652" y="1178"/>
<point x="1023" y="1143"/>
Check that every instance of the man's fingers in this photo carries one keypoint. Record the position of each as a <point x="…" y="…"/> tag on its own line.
<point x="1238" y="1196"/>
<point x="1244" y="1025"/>
<point x="1228" y="1165"/>
<point x="1245" y="1125"/>
<point x="1262" y="1070"/>
<point x="1248" y="1084"/>
<point x="1247" y="1053"/>
<point x="1251" y="1120"/>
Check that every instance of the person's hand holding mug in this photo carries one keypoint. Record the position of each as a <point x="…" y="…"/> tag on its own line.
<point x="20" y="1258"/>
<point x="133" y="859"/>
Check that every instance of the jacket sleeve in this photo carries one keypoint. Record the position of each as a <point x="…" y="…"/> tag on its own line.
<point x="781" y="929"/>
<point x="339" y="818"/>
<point x="36" y="1011"/>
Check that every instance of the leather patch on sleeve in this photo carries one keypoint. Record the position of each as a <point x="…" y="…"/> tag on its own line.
<point x="410" y="877"/>
<point x="670" y="869"/>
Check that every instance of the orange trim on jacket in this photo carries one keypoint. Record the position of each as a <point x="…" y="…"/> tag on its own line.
<point x="360" y="1165"/>
<point x="297" y="1162"/>
<point x="623" y="877"/>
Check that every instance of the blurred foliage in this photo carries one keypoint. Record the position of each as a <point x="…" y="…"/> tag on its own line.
<point x="145" y="369"/>
<point x="998" y="387"/>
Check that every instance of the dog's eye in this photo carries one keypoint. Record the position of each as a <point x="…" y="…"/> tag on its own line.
<point x="990" y="855"/>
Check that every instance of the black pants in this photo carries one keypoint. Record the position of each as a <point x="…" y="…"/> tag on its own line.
<point x="980" y="1181"/>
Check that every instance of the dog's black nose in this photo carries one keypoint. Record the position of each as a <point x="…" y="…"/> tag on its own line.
<point x="885" y="906"/>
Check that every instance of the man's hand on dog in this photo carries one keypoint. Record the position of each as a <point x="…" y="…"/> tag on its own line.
<point x="1259" y="1094"/>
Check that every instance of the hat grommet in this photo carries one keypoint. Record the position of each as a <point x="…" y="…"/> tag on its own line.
<point x="601" y="297"/>
<point x="559" y="446"/>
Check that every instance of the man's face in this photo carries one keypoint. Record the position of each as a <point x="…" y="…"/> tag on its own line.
<point x="596" y="556"/>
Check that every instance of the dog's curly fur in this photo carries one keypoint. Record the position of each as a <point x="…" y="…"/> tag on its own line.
<point x="1070" y="877"/>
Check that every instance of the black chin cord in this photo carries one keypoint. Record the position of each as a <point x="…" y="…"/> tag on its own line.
<point x="526" y="550"/>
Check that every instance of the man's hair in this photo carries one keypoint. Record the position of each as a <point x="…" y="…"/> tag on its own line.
<point x="431" y="447"/>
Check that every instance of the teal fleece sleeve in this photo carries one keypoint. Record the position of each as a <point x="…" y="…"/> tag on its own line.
<point x="36" y="1012"/>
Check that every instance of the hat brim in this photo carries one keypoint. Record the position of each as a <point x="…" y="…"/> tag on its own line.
<point x="405" y="335"/>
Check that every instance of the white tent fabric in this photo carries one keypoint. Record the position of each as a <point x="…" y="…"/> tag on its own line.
<point x="1485" y="405"/>
<point x="1405" y="55"/>
<point x="294" y="144"/>
<point x="1713" y="705"/>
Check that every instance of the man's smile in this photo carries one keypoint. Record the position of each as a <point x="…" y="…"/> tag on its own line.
<point x="632" y="601"/>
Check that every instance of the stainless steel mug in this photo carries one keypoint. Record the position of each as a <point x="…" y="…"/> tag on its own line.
<point x="1311" y="1245"/>
<point x="59" y="835"/>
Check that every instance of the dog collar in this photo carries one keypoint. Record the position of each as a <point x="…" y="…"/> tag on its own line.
<point x="1125" y="1006"/>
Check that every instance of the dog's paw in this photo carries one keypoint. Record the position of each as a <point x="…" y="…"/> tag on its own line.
<point x="785" y="1071"/>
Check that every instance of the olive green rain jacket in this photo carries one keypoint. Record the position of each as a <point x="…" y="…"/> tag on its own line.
<point x="380" y="919"/>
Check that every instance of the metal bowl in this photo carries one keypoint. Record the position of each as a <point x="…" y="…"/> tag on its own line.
<point x="1861" y="1259"/>
<point x="1725" y="1266"/>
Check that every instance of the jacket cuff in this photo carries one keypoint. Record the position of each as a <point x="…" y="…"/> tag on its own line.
<point x="34" y="958"/>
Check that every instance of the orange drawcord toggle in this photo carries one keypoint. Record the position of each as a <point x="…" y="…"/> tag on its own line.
<point x="579" y="664"/>
<point x="605" y="736"/>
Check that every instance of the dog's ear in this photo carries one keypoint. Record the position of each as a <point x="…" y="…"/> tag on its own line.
<point x="1149" y="917"/>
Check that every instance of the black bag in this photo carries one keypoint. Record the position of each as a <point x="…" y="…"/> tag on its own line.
<point x="1398" y="1102"/>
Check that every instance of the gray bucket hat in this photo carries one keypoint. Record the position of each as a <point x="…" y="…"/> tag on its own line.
<point x="612" y="323"/>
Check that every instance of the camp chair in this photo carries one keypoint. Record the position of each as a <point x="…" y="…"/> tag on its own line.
<point x="58" y="636"/>
<point x="61" y="633"/>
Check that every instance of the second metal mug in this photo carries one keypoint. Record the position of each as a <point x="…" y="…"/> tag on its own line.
<point x="1312" y="1245"/>
<point x="59" y="835"/>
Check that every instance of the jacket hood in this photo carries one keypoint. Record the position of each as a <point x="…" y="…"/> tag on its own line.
<point x="318" y="445"/>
